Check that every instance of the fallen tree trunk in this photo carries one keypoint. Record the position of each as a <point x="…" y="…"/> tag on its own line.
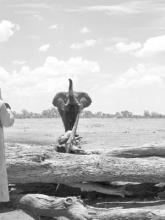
<point x="95" y="193"/>
<point x="133" y="214"/>
<point x="33" y="164"/>
<point x="146" y="150"/>
<point x="27" y="164"/>
<point x="118" y="214"/>
<point x="38" y="205"/>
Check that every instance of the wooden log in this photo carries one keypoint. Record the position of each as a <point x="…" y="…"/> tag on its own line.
<point x="118" y="214"/>
<point x="142" y="190"/>
<point x="146" y="150"/>
<point x="105" y="189"/>
<point x="27" y="164"/>
<point x="38" y="205"/>
<point x="132" y="214"/>
<point x="138" y="199"/>
<point x="150" y="204"/>
<point x="65" y="190"/>
<point x="91" y="191"/>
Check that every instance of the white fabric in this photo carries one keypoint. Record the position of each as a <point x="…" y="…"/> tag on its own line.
<point x="7" y="120"/>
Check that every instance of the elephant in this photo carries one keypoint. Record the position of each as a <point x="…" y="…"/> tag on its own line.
<point x="70" y="104"/>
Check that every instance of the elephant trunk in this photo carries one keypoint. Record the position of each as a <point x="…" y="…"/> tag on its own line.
<point x="72" y="98"/>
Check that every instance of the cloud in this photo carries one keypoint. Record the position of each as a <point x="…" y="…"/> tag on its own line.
<point x="30" y="5"/>
<point x="4" y="75"/>
<point x="26" y="12"/>
<point x="34" y="88"/>
<point x="85" y="44"/>
<point x="38" y="17"/>
<point x="33" y="37"/>
<point x="122" y="47"/>
<point x="138" y="88"/>
<point x="74" y="65"/>
<point x="152" y="46"/>
<point x="85" y="30"/>
<point x="44" y="47"/>
<point x="125" y="8"/>
<point x="140" y="76"/>
<point x="112" y="9"/>
<point x="7" y="29"/>
<point x="53" y="26"/>
<point x="19" y="62"/>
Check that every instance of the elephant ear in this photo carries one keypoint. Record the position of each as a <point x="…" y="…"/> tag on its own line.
<point x="84" y="99"/>
<point x="59" y="100"/>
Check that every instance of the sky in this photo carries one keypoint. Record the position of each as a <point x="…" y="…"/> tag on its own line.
<point x="112" y="49"/>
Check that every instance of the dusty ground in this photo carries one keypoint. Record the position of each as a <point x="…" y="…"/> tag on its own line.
<point x="15" y="215"/>
<point x="97" y="133"/>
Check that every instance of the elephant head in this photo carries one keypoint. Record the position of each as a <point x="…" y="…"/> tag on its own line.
<point x="69" y="104"/>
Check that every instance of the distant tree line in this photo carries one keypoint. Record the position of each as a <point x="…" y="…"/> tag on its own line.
<point x="53" y="113"/>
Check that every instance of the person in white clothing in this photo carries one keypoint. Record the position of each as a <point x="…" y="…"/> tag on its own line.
<point x="6" y="120"/>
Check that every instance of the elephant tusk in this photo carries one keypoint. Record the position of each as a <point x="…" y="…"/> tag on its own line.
<point x="72" y="135"/>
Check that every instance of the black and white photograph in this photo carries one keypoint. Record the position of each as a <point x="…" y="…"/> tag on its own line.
<point x="82" y="110"/>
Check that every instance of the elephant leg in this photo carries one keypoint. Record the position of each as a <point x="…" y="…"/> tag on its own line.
<point x="70" y="116"/>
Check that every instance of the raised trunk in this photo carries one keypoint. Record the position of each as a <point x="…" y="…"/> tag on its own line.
<point x="71" y="94"/>
<point x="71" y="108"/>
<point x="71" y="98"/>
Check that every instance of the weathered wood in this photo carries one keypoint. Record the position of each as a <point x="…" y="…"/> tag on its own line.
<point x="27" y="164"/>
<point x="38" y="205"/>
<point x="105" y="189"/>
<point x="132" y="214"/>
<point x="76" y="189"/>
<point x="132" y="204"/>
<point x="129" y="189"/>
<point x="91" y="191"/>
<point x="146" y="150"/>
<point x="118" y="214"/>
<point x="72" y="208"/>
<point x="32" y="164"/>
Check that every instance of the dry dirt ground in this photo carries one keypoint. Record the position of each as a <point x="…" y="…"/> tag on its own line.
<point x="98" y="134"/>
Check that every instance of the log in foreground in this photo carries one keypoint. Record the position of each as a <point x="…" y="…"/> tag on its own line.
<point x="38" y="205"/>
<point x="27" y="164"/>
<point x="41" y="205"/>
<point x="133" y="214"/>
